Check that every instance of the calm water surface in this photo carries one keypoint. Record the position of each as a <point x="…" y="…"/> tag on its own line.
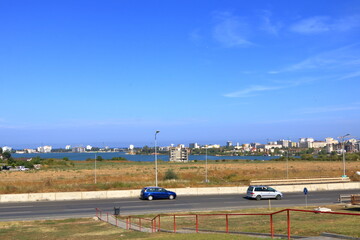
<point x="136" y="158"/>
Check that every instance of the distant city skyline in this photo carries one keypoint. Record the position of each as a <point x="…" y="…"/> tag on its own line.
<point x="151" y="144"/>
<point x="114" y="72"/>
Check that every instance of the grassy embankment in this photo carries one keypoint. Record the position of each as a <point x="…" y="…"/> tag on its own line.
<point x="86" y="228"/>
<point x="302" y="224"/>
<point x="117" y="175"/>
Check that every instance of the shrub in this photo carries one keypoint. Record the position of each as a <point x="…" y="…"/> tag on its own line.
<point x="170" y="174"/>
<point x="119" y="159"/>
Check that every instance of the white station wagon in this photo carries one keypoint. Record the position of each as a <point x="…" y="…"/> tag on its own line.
<point x="259" y="192"/>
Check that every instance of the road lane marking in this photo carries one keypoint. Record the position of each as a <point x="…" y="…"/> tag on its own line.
<point x="17" y="212"/>
<point x="17" y="207"/>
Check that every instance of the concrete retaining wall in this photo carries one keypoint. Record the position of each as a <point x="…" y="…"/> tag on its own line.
<point x="60" y="196"/>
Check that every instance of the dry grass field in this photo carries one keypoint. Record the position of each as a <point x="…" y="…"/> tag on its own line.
<point x="131" y="175"/>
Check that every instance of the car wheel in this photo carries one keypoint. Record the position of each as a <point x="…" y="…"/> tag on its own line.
<point x="171" y="197"/>
<point x="150" y="198"/>
<point x="258" y="197"/>
<point x="278" y="197"/>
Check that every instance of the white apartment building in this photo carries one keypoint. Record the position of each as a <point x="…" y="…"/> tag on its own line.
<point x="179" y="154"/>
<point x="78" y="149"/>
<point x="44" y="149"/>
<point x="330" y="140"/>
<point x="67" y="147"/>
<point x="319" y="144"/>
<point x="28" y="150"/>
<point x="212" y="146"/>
<point x="88" y="148"/>
<point x="284" y="143"/>
<point x="6" y="149"/>
<point x="306" y="142"/>
<point x="164" y="149"/>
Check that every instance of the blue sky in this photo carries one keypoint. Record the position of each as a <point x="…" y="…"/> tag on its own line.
<point x="114" y="72"/>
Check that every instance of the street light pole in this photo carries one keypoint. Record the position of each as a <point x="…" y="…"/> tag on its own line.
<point x="343" y="152"/>
<point x="287" y="163"/>
<point x="156" y="168"/>
<point x="206" y="169"/>
<point x="95" y="168"/>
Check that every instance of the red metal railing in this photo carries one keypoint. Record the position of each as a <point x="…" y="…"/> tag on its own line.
<point x="154" y="224"/>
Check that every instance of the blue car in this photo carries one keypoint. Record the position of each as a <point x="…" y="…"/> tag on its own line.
<point x="151" y="193"/>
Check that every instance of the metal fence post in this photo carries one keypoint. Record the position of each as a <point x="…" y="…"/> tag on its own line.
<point x="158" y="229"/>
<point x="227" y="223"/>
<point x="174" y="223"/>
<point x="271" y="226"/>
<point x="288" y="223"/>
<point x="197" y="223"/>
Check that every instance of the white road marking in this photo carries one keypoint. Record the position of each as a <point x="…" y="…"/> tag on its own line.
<point x="17" y="206"/>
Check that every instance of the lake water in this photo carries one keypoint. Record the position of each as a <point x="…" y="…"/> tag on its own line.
<point x="136" y="158"/>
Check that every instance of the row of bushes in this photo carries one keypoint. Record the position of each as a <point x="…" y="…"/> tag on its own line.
<point x="99" y="158"/>
<point x="48" y="162"/>
<point x="330" y="157"/>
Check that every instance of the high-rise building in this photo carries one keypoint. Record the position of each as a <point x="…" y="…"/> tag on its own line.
<point x="179" y="154"/>
<point x="44" y="149"/>
<point x="194" y="145"/>
<point x="284" y="143"/>
<point x="78" y="149"/>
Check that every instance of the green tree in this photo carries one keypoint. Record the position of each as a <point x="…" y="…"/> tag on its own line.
<point x="6" y="155"/>
<point x="11" y="161"/>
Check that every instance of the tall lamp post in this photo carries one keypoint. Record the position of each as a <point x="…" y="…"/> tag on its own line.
<point x="95" y="169"/>
<point x="206" y="168"/>
<point x="343" y="152"/>
<point x="156" y="169"/>
<point x="287" y="163"/>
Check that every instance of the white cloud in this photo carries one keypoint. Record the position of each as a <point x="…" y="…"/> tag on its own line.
<point x="322" y="24"/>
<point x="350" y="75"/>
<point x="230" y="31"/>
<point x="341" y="59"/>
<point x="252" y="91"/>
<point x="268" y="25"/>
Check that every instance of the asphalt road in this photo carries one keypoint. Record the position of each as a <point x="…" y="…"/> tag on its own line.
<point x="133" y="206"/>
